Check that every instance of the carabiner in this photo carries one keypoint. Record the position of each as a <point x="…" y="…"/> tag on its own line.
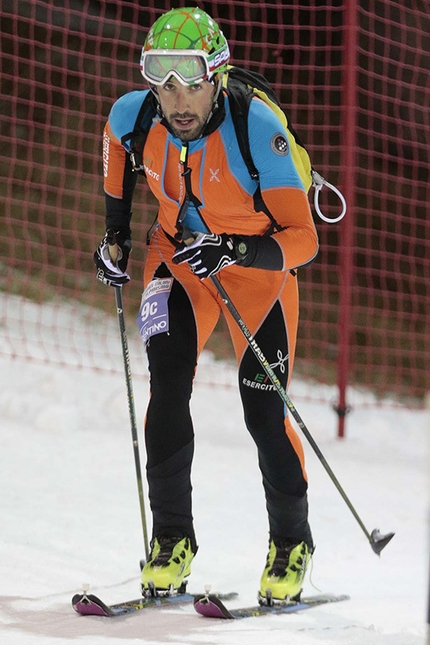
<point x="318" y="182"/>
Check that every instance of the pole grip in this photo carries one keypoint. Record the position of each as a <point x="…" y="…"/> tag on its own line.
<point x="113" y="246"/>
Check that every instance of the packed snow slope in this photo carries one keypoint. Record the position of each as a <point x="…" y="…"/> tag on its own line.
<point x="70" y="515"/>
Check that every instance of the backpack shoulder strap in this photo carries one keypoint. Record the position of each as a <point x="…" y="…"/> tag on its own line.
<point x="240" y="96"/>
<point x="136" y="139"/>
<point x="239" y="85"/>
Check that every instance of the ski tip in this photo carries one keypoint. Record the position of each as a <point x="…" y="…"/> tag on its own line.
<point x="378" y="541"/>
<point x="211" y="606"/>
<point x="89" y="605"/>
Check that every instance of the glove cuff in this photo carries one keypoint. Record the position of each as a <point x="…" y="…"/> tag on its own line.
<point x="260" y="252"/>
<point x="122" y="234"/>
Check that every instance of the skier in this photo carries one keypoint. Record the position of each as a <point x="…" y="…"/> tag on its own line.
<point x="209" y="224"/>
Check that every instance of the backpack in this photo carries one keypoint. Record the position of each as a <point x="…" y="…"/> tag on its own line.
<point x="241" y="86"/>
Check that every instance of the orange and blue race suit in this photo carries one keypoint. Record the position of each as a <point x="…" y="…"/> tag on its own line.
<point x="266" y="299"/>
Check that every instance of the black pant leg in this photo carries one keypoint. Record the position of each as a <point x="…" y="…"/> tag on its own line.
<point x="283" y="478"/>
<point x="169" y="433"/>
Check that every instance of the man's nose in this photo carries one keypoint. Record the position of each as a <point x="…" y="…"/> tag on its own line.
<point x="181" y="103"/>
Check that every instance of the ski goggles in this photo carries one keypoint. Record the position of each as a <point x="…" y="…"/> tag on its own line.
<point x="188" y="66"/>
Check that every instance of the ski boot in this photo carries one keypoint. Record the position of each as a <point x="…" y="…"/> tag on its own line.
<point x="283" y="576"/>
<point x="168" y="564"/>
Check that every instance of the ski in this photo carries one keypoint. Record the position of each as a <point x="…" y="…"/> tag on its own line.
<point x="212" y="606"/>
<point x="90" y="605"/>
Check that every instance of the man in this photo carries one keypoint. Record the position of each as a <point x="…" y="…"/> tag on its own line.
<point x="207" y="226"/>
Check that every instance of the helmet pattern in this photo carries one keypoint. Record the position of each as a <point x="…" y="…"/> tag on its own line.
<point x="189" y="28"/>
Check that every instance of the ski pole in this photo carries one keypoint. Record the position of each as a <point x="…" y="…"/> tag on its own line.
<point x="130" y="397"/>
<point x="377" y="541"/>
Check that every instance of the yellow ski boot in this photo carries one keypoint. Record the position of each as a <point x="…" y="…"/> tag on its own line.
<point x="168" y="564"/>
<point x="283" y="576"/>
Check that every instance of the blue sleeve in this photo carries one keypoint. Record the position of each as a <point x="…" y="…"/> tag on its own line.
<point x="124" y="113"/>
<point x="270" y="148"/>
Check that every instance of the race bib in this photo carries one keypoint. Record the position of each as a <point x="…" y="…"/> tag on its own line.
<point x="153" y="316"/>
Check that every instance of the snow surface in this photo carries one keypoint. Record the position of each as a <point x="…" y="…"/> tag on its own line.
<point x="70" y="515"/>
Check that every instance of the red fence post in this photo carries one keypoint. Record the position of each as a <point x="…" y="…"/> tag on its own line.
<point x="347" y="225"/>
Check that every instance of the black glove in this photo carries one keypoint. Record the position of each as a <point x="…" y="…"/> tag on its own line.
<point x="208" y="254"/>
<point x="110" y="272"/>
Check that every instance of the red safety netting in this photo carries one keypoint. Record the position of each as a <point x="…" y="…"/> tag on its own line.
<point x="353" y="77"/>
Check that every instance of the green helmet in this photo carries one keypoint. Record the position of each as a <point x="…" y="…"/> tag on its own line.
<point x="186" y="43"/>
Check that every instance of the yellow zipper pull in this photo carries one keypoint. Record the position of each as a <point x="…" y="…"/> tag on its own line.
<point x="184" y="154"/>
